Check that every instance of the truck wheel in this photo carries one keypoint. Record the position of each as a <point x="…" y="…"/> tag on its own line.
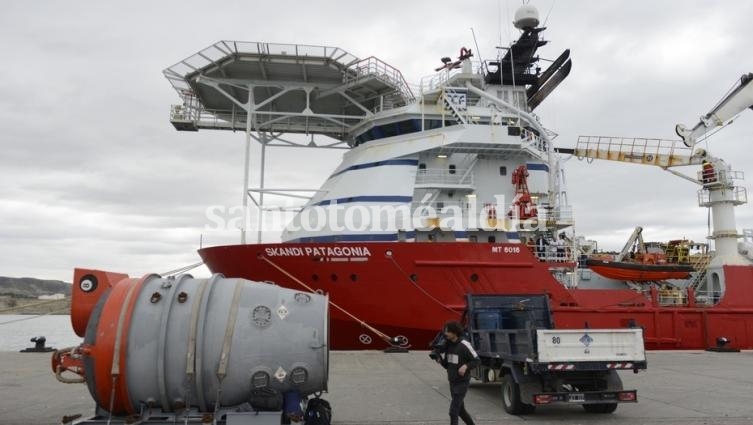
<point x="600" y="408"/>
<point x="511" y="397"/>
<point x="489" y="375"/>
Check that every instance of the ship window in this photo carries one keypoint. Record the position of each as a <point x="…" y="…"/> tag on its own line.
<point x="513" y="131"/>
<point x="354" y="277"/>
<point x="390" y="129"/>
<point x="422" y="166"/>
<point x="492" y="239"/>
<point x="440" y="205"/>
<point x="314" y="277"/>
<point x="394" y="129"/>
<point x="474" y="277"/>
<point x="406" y="127"/>
<point x="452" y="168"/>
<point x="432" y="124"/>
<point x="502" y="171"/>
<point x="414" y="277"/>
<point x="334" y="277"/>
<point x="473" y="238"/>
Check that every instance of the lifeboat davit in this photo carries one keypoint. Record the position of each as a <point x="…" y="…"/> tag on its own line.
<point x="639" y="272"/>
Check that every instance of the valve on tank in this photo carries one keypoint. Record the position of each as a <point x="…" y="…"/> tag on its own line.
<point x="193" y="347"/>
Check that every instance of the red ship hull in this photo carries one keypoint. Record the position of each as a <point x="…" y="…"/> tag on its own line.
<point x="411" y="289"/>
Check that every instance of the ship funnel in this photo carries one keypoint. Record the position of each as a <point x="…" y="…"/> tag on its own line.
<point x="526" y="16"/>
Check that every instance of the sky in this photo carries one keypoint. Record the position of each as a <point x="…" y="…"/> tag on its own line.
<point x="92" y="174"/>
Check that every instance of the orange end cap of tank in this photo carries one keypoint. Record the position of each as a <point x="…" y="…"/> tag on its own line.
<point x="110" y="349"/>
<point x="88" y="287"/>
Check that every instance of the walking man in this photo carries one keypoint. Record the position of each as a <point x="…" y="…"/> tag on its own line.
<point x="458" y="358"/>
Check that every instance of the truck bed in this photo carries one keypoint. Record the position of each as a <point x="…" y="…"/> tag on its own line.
<point x="518" y="328"/>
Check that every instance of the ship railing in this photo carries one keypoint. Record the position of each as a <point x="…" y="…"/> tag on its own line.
<point x="440" y="79"/>
<point x="373" y="67"/>
<point x="485" y="214"/>
<point x="472" y="213"/>
<point x="564" y="251"/>
<point x="562" y="214"/>
<point x="194" y="115"/>
<point x="443" y="176"/>
<point x="663" y="153"/>
<point x="737" y="195"/>
<point x="490" y="209"/>
<point x="235" y="119"/>
<point x="182" y="113"/>
<point x="669" y="297"/>
<point x="708" y="297"/>
<point x="530" y="140"/>
<point x="712" y="177"/>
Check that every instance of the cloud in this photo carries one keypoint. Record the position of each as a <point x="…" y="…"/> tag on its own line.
<point x="92" y="173"/>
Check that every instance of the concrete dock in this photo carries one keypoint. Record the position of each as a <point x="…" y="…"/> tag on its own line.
<point x="375" y="388"/>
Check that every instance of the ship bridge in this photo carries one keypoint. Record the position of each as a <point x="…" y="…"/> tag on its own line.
<point x="282" y="88"/>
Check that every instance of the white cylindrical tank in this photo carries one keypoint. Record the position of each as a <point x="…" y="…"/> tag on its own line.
<point x="176" y="343"/>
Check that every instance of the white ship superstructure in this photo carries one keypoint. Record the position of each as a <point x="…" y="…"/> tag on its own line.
<point x="447" y="146"/>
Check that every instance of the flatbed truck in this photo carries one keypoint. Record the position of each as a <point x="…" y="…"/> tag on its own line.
<point x="537" y="364"/>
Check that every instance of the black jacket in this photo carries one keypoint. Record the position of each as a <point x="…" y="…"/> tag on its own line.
<point x="457" y="354"/>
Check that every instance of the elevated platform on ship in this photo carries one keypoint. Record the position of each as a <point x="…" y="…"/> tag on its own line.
<point x="691" y="387"/>
<point x="282" y="88"/>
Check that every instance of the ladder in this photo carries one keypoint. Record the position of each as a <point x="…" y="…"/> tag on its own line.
<point x="455" y="102"/>
<point x="700" y="264"/>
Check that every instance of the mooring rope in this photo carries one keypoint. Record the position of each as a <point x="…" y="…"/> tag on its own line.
<point x="183" y="269"/>
<point x="386" y="338"/>
<point x="36" y="316"/>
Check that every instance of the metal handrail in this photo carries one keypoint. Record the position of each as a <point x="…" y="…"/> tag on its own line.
<point x="738" y="195"/>
<point x="442" y="175"/>
<point x="439" y="79"/>
<point x="721" y="176"/>
<point x="374" y="67"/>
<point x="631" y="145"/>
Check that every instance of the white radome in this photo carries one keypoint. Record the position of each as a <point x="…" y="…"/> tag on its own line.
<point x="526" y="16"/>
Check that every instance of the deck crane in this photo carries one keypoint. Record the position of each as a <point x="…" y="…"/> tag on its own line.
<point x="523" y="207"/>
<point x="739" y="99"/>
<point x="717" y="180"/>
<point x="636" y="236"/>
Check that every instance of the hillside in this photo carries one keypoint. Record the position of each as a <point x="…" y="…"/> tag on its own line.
<point x="17" y="293"/>
<point x="27" y="287"/>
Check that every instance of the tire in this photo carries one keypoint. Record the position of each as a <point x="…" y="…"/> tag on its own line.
<point x="511" y="397"/>
<point x="600" y="408"/>
<point x="488" y="375"/>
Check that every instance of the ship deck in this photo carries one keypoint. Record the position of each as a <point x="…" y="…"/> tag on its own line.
<point x="689" y="387"/>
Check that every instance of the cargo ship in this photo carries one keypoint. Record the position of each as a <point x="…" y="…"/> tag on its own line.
<point x="453" y="186"/>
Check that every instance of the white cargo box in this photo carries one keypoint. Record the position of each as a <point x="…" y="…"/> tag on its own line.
<point x="590" y="345"/>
